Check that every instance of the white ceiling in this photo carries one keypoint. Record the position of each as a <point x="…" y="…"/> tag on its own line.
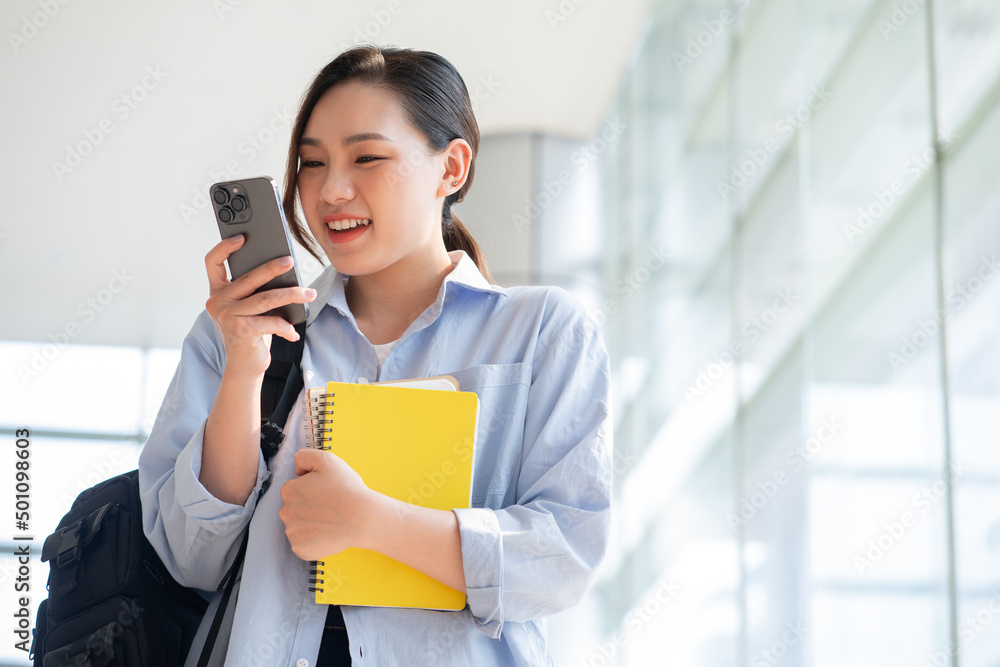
<point x="228" y="69"/>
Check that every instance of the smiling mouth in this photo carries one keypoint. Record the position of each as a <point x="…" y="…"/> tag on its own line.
<point x="345" y="225"/>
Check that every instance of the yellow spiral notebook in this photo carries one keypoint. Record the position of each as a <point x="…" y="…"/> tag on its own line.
<point x="408" y="441"/>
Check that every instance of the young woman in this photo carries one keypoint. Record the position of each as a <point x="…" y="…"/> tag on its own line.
<point x="384" y="144"/>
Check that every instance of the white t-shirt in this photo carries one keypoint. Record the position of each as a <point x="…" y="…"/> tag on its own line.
<point x="382" y="351"/>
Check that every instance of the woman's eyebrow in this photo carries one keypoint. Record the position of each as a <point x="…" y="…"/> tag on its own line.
<point x="348" y="141"/>
<point x="365" y="136"/>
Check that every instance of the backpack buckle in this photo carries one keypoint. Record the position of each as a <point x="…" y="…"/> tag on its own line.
<point x="271" y="437"/>
<point x="66" y="544"/>
<point x="69" y="548"/>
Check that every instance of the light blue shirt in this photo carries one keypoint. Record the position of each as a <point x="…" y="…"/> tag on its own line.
<point x="541" y="493"/>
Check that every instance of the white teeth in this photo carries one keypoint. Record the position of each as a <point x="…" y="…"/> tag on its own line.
<point x="340" y="225"/>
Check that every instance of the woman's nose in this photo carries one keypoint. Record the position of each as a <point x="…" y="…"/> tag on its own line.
<point x="337" y="187"/>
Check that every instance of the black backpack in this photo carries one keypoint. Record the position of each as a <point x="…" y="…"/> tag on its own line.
<point x="111" y="600"/>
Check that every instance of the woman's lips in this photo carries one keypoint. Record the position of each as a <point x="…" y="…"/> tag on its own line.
<point x="342" y="231"/>
<point x="343" y="224"/>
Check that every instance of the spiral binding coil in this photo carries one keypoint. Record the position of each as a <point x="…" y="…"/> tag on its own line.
<point x="314" y="579"/>
<point x="318" y="427"/>
<point x="318" y="421"/>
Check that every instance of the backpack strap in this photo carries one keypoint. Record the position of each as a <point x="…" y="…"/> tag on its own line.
<point x="229" y="581"/>
<point x="282" y="384"/>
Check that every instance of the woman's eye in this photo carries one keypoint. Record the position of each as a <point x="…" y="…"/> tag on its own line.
<point x="311" y="163"/>
<point x="364" y="159"/>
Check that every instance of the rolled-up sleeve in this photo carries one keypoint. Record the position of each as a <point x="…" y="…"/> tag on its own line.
<point x="539" y="556"/>
<point x="195" y="534"/>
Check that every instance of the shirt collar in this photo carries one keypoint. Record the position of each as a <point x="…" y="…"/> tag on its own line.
<point x="329" y="286"/>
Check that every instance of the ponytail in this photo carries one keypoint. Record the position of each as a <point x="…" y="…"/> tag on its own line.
<point x="457" y="237"/>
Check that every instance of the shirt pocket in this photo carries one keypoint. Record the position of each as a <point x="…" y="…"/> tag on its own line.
<point x="503" y="397"/>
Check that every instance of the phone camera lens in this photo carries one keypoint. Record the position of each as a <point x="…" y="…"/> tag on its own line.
<point x="238" y="203"/>
<point x="220" y="196"/>
<point x="226" y="214"/>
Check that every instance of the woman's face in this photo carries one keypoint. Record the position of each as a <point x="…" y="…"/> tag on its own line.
<point x="361" y="160"/>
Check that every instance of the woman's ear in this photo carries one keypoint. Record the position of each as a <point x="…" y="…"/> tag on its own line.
<point x="456" y="160"/>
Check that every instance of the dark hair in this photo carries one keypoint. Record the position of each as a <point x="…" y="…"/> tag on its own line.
<point x="435" y="100"/>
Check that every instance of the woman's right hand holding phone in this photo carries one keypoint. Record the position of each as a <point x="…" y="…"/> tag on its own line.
<point x="238" y="313"/>
<point x="232" y="432"/>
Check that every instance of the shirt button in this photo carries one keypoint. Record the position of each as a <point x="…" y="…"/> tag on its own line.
<point x="301" y="662"/>
<point x="362" y="380"/>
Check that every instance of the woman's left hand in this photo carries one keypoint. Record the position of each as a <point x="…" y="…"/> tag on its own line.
<point x="325" y="508"/>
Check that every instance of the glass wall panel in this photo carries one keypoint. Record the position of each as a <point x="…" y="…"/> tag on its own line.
<point x="808" y="432"/>
<point x="968" y="75"/>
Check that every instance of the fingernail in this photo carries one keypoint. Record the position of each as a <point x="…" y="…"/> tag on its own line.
<point x="310" y="293"/>
<point x="238" y="237"/>
<point x="285" y="261"/>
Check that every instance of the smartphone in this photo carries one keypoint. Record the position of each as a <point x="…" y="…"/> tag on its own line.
<point x="252" y="207"/>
